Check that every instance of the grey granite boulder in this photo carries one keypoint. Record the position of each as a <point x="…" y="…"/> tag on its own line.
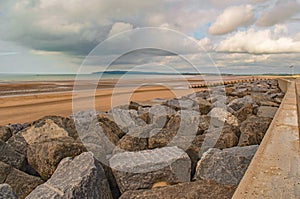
<point x="10" y="156"/>
<point x="223" y="115"/>
<point x="81" y="177"/>
<point x="188" y="190"/>
<point x="6" y="192"/>
<point x="5" y="133"/>
<point x="45" y="156"/>
<point x="236" y="104"/>
<point x="159" y="115"/>
<point x="204" y="105"/>
<point x="253" y="130"/>
<point x="140" y="170"/>
<point x="21" y="183"/>
<point x="266" y="111"/>
<point x="182" y="104"/>
<point x="225" y="166"/>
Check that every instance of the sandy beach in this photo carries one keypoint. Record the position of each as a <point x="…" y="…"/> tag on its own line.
<point x="22" y="102"/>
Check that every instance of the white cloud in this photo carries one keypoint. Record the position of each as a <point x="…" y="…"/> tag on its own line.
<point x="279" y="13"/>
<point x="258" y="42"/>
<point x="232" y="18"/>
<point x="120" y="27"/>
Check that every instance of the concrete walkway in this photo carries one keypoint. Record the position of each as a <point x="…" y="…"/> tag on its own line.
<point x="275" y="169"/>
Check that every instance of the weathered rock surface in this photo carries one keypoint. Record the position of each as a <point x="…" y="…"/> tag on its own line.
<point x="159" y="115"/>
<point x="9" y="156"/>
<point x="238" y="103"/>
<point x="45" y="156"/>
<point x="266" y="111"/>
<point x="223" y="115"/>
<point x="6" y="192"/>
<point x="188" y="190"/>
<point x="51" y="127"/>
<point x="21" y="183"/>
<point x="253" y="130"/>
<point x="204" y="105"/>
<point x="140" y="170"/>
<point x="136" y="139"/>
<point x="5" y="133"/>
<point x="225" y="166"/>
<point x="81" y="177"/>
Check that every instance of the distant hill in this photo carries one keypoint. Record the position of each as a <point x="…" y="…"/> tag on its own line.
<point x="121" y="72"/>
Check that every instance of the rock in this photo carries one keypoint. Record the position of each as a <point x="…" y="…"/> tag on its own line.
<point x="45" y="156"/>
<point x="126" y="119"/>
<point x="81" y="177"/>
<point x="159" y="115"/>
<point x="204" y="105"/>
<point x="225" y="166"/>
<point x="5" y="133"/>
<point x="9" y="156"/>
<point x="21" y="183"/>
<point x="223" y="115"/>
<point x="241" y="92"/>
<point x="182" y="104"/>
<point x="159" y="138"/>
<point x="238" y="103"/>
<point x="15" y="128"/>
<point x="134" y="105"/>
<point x="188" y="190"/>
<point x="253" y="130"/>
<point x="266" y="111"/>
<point x="221" y="138"/>
<point x="136" y="139"/>
<point x="6" y="192"/>
<point x="48" y="128"/>
<point x="18" y="142"/>
<point x="243" y="113"/>
<point x="140" y="170"/>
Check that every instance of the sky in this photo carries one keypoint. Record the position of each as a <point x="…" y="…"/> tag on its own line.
<point x="230" y="36"/>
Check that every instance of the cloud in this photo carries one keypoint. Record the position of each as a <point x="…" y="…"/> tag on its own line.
<point x="119" y="27"/>
<point x="232" y="18"/>
<point x="281" y="12"/>
<point x="258" y="42"/>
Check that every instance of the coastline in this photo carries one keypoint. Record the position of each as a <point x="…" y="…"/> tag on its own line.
<point x="55" y="97"/>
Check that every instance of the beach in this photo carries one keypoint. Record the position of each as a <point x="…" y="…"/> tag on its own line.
<point x="22" y="102"/>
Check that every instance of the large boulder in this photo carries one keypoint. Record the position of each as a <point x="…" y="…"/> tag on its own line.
<point x="204" y="105"/>
<point x="225" y="166"/>
<point x="126" y="119"/>
<point x="188" y="190"/>
<point x="159" y="138"/>
<point x="6" y="192"/>
<point x="5" y="133"/>
<point x="45" y="156"/>
<point x="159" y="115"/>
<point x="48" y="128"/>
<point x="21" y="183"/>
<point x="243" y="113"/>
<point x="81" y="177"/>
<point x="10" y="156"/>
<point x="135" y="140"/>
<point x="223" y="115"/>
<point x="182" y="104"/>
<point x="221" y="137"/>
<point x="140" y="170"/>
<point x="253" y="130"/>
<point x="266" y="111"/>
<point x="238" y="103"/>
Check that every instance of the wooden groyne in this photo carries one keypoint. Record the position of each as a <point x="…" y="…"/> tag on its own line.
<point x="206" y="84"/>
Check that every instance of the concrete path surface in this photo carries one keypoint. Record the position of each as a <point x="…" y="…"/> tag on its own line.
<point x="275" y="169"/>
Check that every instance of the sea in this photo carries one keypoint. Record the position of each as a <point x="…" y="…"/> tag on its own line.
<point x="8" y="78"/>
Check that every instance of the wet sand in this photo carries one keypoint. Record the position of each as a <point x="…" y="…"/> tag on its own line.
<point x="22" y="102"/>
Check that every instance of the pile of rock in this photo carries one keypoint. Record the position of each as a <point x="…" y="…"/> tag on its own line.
<point x="195" y="146"/>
